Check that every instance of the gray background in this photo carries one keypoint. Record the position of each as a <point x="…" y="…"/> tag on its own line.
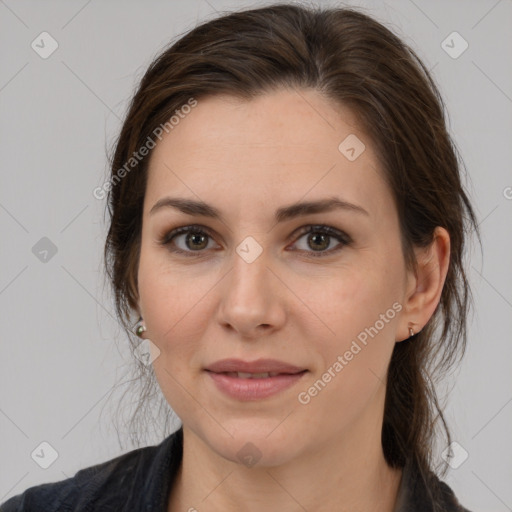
<point x="59" y="356"/>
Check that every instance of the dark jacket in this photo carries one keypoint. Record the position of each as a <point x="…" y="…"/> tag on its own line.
<point x="140" y="480"/>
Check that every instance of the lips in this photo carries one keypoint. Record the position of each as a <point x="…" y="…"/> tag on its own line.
<point x="260" y="368"/>
<point x="256" y="380"/>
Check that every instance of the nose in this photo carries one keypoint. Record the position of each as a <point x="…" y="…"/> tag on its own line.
<point x="252" y="298"/>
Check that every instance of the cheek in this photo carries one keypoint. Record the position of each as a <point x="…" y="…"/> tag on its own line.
<point x="360" y="309"/>
<point x="177" y="306"/>
<point x="172" y="307"/>
<point x="355" y="301"/>
<point x="355" y="356"/>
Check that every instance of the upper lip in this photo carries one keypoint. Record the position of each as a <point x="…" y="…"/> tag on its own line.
<point x="258" y="366"/>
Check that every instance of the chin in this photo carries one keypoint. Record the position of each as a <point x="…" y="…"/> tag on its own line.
<point x="254" y="442"/>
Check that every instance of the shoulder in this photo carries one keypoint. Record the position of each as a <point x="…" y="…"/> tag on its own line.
<point x="73" y="492"/>
<point x="106" y="486"/>
<point x="425" y="492"/>
<point x="448" y="500"/>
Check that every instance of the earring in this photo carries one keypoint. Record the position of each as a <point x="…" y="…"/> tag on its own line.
<point x="139" y="328"/>
<point x="411" y="332"/>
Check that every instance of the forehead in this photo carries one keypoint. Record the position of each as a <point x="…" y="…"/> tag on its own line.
<point x="279" y="147"/>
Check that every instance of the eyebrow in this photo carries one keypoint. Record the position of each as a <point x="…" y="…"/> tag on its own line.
<point x="200" y="208"/>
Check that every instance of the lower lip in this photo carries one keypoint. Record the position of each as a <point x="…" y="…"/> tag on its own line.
<point x="254" y="389"/>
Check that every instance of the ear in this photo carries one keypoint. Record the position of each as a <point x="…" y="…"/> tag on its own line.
<point x="424" y="286"/>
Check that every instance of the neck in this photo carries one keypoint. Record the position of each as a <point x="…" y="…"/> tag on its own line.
<point x="344" y="473"/>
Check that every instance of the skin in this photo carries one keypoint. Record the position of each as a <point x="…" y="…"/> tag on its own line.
<point x="248" y="158"/>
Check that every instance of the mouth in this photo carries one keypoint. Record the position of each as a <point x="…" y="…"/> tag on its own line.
<point x="259" y="366"/>
<point x="255" y="380"/>
<point x="245" y="375"/>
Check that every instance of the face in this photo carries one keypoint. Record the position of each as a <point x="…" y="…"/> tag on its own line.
<point x="248" y="285"/>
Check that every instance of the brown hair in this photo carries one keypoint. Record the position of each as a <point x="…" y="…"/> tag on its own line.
<point x="352" y="60"/>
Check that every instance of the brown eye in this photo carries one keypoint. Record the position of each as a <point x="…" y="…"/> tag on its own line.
<point x="187" y="240"/>
<point x="196" y="241"/>
<point x="319" y="239"/>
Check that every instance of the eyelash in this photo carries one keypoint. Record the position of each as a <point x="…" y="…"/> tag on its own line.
<point x="340" y="236"/>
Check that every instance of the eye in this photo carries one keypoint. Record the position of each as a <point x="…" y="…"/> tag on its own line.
<point x="187" y="239"/>
<point x="192" y="240"/>
<point x="320" y="238"/>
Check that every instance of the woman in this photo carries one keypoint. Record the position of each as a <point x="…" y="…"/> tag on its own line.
<point x="288" y="223"/>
